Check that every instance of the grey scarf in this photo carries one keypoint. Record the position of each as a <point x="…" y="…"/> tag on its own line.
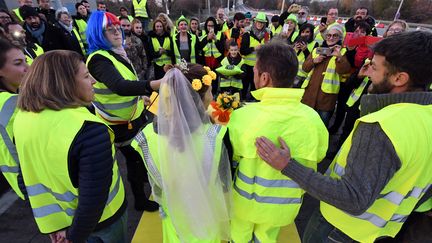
<point x="259" y="33"/>
<point x="68" y="28"/>
<point x="37" y="33"/>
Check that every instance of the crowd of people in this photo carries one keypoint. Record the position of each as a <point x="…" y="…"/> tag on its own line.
<point x="74" y="91"/>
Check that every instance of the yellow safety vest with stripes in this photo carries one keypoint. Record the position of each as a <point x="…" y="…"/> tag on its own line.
<point x="250" y="59"/>
<point x="164" y="58"/>
<point x="113" y="108"/>
<point x="78" y="37"/>
<point x="210" y="50"/>
<point x="276" y="31"/>
<point x="230" y="81"/>
<point x="9" y="163"/>
<point x="52" y="196"/>
<point x="397" y="200"/>
<point x="39" y="51"/>
<point x="17" y="13"/>
<point x="192" y="49"/>
<point x="331" y="80"/>
<point x="356" y="93"/>
<point x="262" y="194"/>
<point x="301" y="58"/>
<point x="140" y="8"/>
<point x="82" y="28"/>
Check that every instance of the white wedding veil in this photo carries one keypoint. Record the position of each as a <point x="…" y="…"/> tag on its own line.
<point x="195" y="171"/>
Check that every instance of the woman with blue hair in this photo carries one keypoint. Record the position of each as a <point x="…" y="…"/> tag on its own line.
<point x="119" y="96"/>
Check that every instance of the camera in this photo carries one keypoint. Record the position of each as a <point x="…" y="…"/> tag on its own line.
<point x="325" y="51"/>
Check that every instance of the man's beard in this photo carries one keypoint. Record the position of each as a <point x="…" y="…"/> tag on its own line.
<point x="302" y="20"/>
<point x="383" y="87"/>
<point x="35" y="26"/>
<point x="358" y="18"/>
<point x="127" y="32"/>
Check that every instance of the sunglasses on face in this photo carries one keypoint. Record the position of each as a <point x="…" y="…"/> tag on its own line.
<point x="300" y="13"/>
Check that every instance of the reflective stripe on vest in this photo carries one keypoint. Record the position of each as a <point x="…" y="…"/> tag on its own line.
<point x="331" y="80"/>
<point x="400" y="195"/>
<point x="140" y="8"/>
<point x="52" y="195"/>
<point x="250" y="59"/>
<point x="113" y="108"/>
<point x="356" y="93"/>
<point x="9" y="163"/>
<point x="191" y="48"/>
<point x="261" y="193"/>
<point x="210" y="50"/>
<point x="39" y="51"/>
<point x="301" y="58"/>
<point x="82" y="28"/>
<point x="78" y="37"/>
<point x="17" y="13"/>
<point x="164" y="58"/>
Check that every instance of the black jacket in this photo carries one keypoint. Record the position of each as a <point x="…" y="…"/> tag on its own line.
<point x="70" y="41"/>
<point x="52" y="38"/>
<point x="196" y="47"/>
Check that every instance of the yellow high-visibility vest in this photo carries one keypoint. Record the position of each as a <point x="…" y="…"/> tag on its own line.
<point x="113" y="108"/>
<point x="43" y="142"/>
<point x="9" y="164"/>
<point x="398" y="198"/>
<point x="140" y="8"/>
<point x="331" y="80"/>
<point x="263" y="195"/>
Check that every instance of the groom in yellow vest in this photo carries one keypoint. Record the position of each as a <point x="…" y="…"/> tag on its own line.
<point x="382" y="173"/>
<point x="264" y="199"/>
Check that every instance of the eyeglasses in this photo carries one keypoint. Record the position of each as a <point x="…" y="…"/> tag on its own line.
<point x="329" y="36"/>
<point x="301" y="13"/>
<point x="113" y="29"/>
<point x="395" y="30"/>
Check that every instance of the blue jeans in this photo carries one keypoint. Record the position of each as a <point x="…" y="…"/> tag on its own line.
<point x="115" y="233"/>
<point x="318" y="230"/>
<point x="325" y="116"/>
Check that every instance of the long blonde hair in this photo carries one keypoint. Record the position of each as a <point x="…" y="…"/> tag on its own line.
<point x="50" y="82"/>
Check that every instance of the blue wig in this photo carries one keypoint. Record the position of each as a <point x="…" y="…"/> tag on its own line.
<point x="98" y="21"/>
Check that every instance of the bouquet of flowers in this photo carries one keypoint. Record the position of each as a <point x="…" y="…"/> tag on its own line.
<point x="220" y="110"/>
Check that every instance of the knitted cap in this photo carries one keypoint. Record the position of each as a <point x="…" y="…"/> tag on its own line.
<point x="248" y="15"/>
<point x="27" y="11"/>
<point x="275" y="18"/>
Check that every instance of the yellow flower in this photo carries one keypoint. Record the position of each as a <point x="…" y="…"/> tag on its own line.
<point x="235" y="104"/>
<point x="219" y="97"/>
<point x="226" y="100"/>
<point x="212" y="74"/>
<point x="207" y="68"/>
<point x="196" y="84"/>
<point x="207" y="80"/>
